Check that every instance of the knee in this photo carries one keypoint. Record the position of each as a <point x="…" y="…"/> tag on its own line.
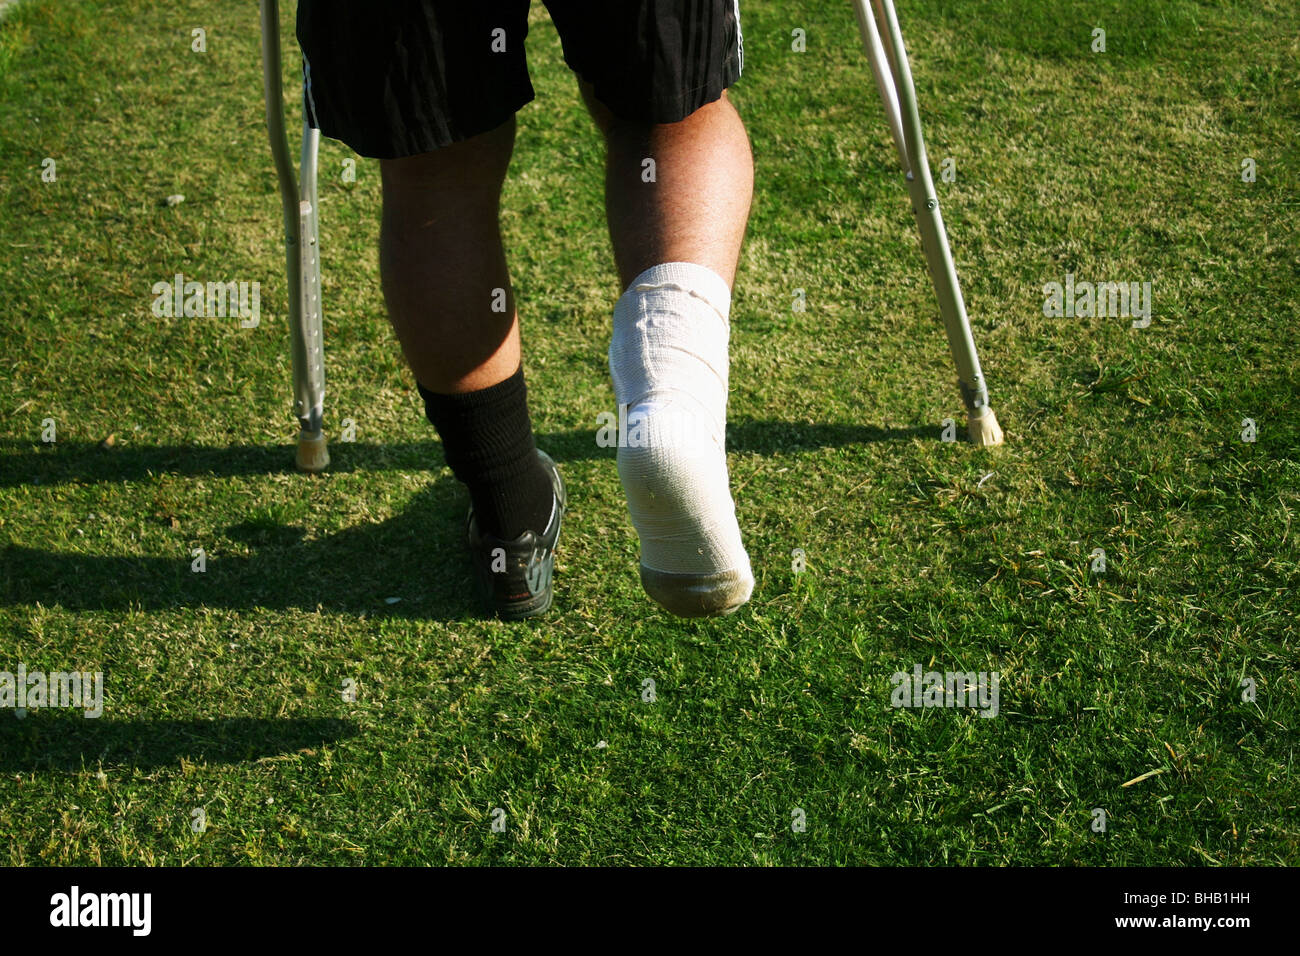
<point x="621" y="133"/>
<point x="471" y="167"/>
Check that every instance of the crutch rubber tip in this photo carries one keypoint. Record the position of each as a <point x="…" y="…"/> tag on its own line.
<point x="312" y="453"/>
<point x="983" y="427"/>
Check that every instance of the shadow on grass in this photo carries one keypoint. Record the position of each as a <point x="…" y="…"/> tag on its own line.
<point x="27" y="463"/>
<point x="70" y="743"/>
<point x="416" y="556"/>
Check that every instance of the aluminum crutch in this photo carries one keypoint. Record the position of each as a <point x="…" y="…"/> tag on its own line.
<point x="302" y="253"/>
<point x="894" y="81"/>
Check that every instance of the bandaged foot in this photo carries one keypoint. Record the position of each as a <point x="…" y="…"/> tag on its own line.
<point x="668" y="359"/>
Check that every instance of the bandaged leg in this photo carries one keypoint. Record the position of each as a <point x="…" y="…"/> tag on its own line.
<point x="668" y="359"/>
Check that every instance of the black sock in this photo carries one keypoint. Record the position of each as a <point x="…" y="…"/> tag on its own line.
<point x="488" y="440"/>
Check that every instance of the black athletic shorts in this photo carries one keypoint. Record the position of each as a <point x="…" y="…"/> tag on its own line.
<point x="395" y="78"/>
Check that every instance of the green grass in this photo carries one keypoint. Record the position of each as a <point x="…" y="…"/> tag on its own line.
<point x="224" y="688"/>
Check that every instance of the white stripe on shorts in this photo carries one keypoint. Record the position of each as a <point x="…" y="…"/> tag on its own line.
<point x="740" y="40"/>
<point x="306" y="88"/>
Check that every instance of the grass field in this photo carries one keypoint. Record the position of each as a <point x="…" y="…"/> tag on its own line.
<point x="224" y="690"/>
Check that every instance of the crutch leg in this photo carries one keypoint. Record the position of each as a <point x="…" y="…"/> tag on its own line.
<point x="309" y="372"/>
<point x="893" y="75"/>
<point x="302" y="261"/>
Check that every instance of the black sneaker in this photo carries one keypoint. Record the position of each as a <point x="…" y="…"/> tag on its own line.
<point x="515" y="576"/>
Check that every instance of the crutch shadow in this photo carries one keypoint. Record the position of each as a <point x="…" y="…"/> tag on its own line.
<point x="416" y="557"/>
<point x="747" y="437"/>
<point x="766" y="437"/>
<point x="28" y="463"/>
<point x="68" y="742"/>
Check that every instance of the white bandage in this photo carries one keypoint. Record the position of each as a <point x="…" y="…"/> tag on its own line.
<point x="668" y="359"/>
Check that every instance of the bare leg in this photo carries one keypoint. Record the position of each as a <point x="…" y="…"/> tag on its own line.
<point x="441" y="261"/>
<point x="697" y="207"/>
<point x="450" y="302"/>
